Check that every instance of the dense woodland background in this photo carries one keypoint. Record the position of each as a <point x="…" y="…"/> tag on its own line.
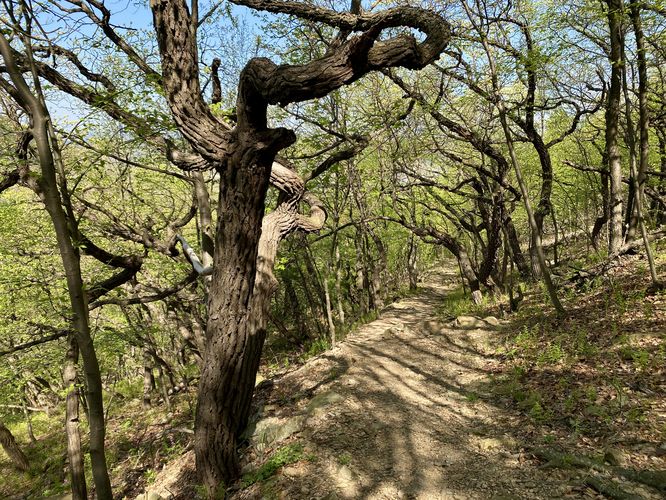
<point x="559" y="104"/>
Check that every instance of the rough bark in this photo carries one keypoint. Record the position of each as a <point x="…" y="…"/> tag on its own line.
<point x="246" y="241"/>
<point x="13" y="450"/>
<point x="614" y="16"/>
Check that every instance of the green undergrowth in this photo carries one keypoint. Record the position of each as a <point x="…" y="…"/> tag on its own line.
<point x="280" y="355"/>
<point x="139" y="442"/>
<point x="285" y="455"/>
<point x="458" y="302"/>
<point x="46" y="457"/>
<point x="594" y="375"/>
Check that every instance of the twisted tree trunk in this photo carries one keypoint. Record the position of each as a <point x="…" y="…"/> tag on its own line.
<point x="246" y="241"/>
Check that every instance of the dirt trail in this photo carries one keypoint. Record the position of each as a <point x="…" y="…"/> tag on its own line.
<point x="399" y="411"/>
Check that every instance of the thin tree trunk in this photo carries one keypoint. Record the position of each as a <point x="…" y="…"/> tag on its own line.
<point x="164" y="386"/>
<point x="644" y="130"/>
<point x="379" y="271"/>
<point x="74" y="452"/>
<point x="338" y="283"/>
<point x="544" y="207"/>
<point x="661" y="189"/>
<point x="207" y="243"/>
<point x="47" y="187"/>
<point x="28" y="417"/>
<point x="148" y="378"/>
<point x="536" y="238"/>
<point x="460" y="253"/>
<point x="612" y="124"/>
<point x="313" y="305"/>
<point x="329" y="313"/>
<point x="516" y="251"/>
<point x="293" y="305"/>
<point x="519" y="175"/>
<point x="556" y="236"/>
<point x="361" y="274"/>
<point x="601" y="221"/>
<point x="412" y="271"/>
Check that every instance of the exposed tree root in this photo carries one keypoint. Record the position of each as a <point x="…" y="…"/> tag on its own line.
<point x="609" y="488"/>
<point x="654" y="479"/>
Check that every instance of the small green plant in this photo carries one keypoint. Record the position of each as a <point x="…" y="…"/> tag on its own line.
<point x="472" y="397"/>
<point x="284" y="456"/>
<point x="640" y="357"/>
<point x="344" y="459"/>
<point x="583" y="348"/>
<point x="150" y="475"/>
<point x="316" y="347"/>
<point x="548" y="439"/>
<point x="551" y="355"/>
<point x="620" y="301"/>
<point x="527" y="338"/>
<point x="648" y="309"/>
<point x="200" y="492"/>
<point x="458" y="303"/>
<point x="571" y="401"/>
<point x="635" y="415"/>
<point x="661" y="353"/>
<point x="539" y="413"/>
<point x="526" y="399"/>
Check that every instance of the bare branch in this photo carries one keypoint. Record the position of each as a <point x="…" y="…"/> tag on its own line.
<point x="194" y="259"/>
<point x="161" y="295"/>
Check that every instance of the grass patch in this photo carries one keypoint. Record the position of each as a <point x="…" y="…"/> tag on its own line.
<point x="46" y="457"/>
<point x="314" y="348"/>
<point x="283" y="456"/>
<point x="459" y="303"/>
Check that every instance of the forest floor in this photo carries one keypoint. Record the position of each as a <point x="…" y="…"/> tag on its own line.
<point x="428" y="402"/>
<point x="435" y="399"/>
<point x="399" y="410"/>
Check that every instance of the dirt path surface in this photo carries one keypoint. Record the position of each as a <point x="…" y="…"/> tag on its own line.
<point x="398" y="411"/>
